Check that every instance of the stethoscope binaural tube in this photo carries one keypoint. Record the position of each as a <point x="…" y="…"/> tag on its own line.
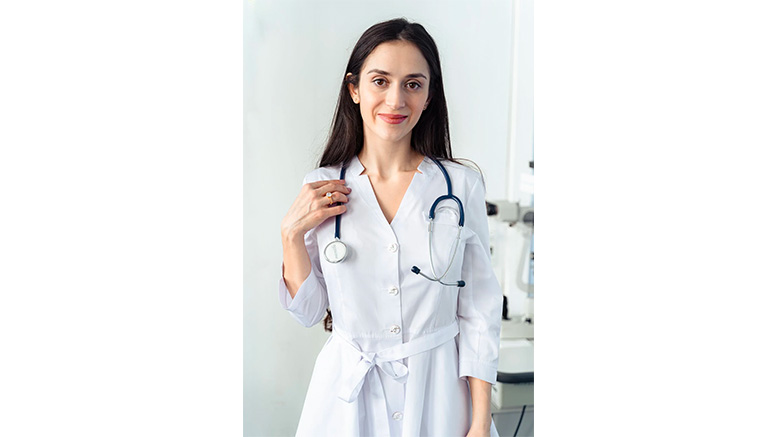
<point x="435" y="277"/>
<point x="430" y="229"/>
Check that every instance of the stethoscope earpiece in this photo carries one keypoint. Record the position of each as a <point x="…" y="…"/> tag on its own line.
<point x="417" y="271"/>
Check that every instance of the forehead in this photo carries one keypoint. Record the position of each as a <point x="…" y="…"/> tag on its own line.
<point x="399" y="58"/>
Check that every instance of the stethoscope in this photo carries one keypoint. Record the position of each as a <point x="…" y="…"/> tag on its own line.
<point x="336" y="251"/>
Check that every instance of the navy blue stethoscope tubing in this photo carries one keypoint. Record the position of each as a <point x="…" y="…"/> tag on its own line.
<point x="448" y="196"/>
<point x="434" y="205"/>
<point x="337" y="219"/>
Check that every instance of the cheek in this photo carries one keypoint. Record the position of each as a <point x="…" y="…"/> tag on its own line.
<point x="365" y="111"/>
<point x="370" y="107"/>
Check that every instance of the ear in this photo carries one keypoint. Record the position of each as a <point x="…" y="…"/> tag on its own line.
<point x="427" y="102"/>
<point x="353" y="91"/>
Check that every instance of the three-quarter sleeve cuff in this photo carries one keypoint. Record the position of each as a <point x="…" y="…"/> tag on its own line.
<point x="478" y="370"/>
<point x="307" y="288"/>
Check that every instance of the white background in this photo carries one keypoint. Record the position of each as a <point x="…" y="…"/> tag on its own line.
<point x="121" y="151"/>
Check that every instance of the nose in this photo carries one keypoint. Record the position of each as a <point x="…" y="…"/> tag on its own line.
<point x="395" y="97"/>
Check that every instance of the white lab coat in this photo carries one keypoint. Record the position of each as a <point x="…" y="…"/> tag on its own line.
<point x="402" y="346"/>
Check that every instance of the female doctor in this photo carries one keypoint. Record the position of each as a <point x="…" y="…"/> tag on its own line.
<point x="389" y="238"/>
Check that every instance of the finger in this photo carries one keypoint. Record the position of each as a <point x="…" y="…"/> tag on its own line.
<point x="324" y="213"/>
<point x="321" y="191"/>
<point x="319" y="184"/>
<point x="336" y="197"/>
<point x="337" y="210"/>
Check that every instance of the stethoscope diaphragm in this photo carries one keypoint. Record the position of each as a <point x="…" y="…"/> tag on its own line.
<point x="336" y="251"/>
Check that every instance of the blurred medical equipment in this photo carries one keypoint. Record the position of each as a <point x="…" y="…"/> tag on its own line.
<point x="521" y="220"/>
<point x="512" y="396"/>
<point x="512" y="246"/>
<point x="336" y="251"/>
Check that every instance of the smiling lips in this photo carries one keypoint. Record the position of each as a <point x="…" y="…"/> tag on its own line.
<point x="392" y="118"/>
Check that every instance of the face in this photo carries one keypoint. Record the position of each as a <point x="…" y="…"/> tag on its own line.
<point x="393" y="91"/>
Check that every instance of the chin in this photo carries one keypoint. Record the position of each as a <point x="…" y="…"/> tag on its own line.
<point x="394" y="138"/>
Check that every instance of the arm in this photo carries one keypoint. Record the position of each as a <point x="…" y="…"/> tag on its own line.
<point x="479" y="312"/>
<point x="302" y="290"/>
<point x="296" y="256"/>
<point x="481" y="405"/>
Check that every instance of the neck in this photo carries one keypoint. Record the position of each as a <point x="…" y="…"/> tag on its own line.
<point x="385" y="160"/>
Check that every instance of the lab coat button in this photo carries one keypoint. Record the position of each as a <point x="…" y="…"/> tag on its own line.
<point x="393" y="247"/>
<point x="397" y="415"/>
<point x="393" y="291"/>
<point x="394" y="329"/>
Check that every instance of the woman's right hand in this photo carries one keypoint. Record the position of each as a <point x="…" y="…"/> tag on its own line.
<point x="312" y="207"/>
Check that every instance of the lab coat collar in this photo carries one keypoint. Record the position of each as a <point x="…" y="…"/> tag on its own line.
<point x="355" y="167"/>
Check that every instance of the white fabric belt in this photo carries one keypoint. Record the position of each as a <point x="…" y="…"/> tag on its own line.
<point x="388" y="360"/>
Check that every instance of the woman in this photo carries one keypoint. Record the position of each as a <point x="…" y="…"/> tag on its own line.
<point x="409" y="355"/>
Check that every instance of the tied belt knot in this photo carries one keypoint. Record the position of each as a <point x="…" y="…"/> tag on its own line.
<point x="353" y="383"/>
<point x="389" y="361"/>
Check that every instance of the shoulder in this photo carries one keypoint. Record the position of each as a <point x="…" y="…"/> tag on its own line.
<point x="322" y="174"/>
<point x="467" y="173"/>
<point x="462" y="170"/>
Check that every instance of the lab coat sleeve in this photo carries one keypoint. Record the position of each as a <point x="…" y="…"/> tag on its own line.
<point x="311" y="301"/>
<point x="480" y="300"/>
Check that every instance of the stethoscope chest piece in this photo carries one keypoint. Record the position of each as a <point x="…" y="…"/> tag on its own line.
<point x="335" y="251"/>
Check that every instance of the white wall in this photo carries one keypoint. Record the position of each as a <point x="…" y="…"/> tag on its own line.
<point x="295" y="56"/>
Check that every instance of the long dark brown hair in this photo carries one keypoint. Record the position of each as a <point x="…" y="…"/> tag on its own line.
<point x="430" y="136"/>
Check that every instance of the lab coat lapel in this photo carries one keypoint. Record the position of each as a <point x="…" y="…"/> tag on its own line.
<point x="362" y="182"/>
<point x="413" y="193"/>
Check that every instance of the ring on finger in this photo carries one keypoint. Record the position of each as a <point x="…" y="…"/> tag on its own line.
<point x="329" y="196"/>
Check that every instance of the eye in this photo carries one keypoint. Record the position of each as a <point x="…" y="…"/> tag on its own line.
<point x="416" y="87"/>
<point x="375" y="81"/>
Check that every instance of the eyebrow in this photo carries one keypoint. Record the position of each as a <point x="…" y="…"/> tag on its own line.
<point x="386" y="73"/>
